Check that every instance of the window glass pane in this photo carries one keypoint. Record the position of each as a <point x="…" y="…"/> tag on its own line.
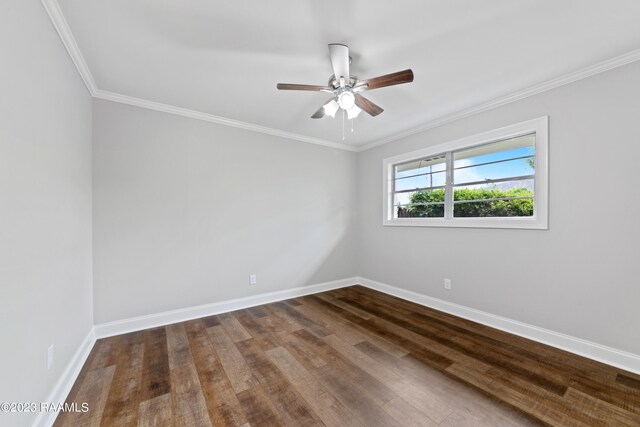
<point x="527" y="184"/>
<point x="419" y="174"/>
<point x="417" y="167"/>
<point x="427" y="180"/>
<point x="402" y="199"/>
<point x="512" y="208"/>
<point x="504" y="199"/>
<point x="505" y="159"/>
<point x="494" y="148"/>
<point x="420" y="204"/>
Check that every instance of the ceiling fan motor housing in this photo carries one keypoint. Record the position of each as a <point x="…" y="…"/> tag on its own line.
<point x="335" y="83"/>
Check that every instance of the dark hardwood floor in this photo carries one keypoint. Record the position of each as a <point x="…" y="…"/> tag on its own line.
<point x="346" y="357"/>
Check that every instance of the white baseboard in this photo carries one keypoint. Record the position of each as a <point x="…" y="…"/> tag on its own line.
<point x="65" y="382"/>
<point x="588" y="349"/>
<point x="174" y="316"/>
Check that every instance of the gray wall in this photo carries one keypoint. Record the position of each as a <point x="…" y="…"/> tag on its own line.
<point x="581" y="276"/>
<point x="45" y="206"/>
<point x="185" y="210"/>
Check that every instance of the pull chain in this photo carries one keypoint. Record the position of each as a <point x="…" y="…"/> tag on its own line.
<point x="352" y="120"/>
<point x="343" y="137"/>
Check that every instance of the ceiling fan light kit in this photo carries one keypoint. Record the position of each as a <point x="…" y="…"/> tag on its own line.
<point x="347" y="89"/>
<point x="353" y="112"/>
<point x="346" y="100"/>
<point x="330" y="108"/>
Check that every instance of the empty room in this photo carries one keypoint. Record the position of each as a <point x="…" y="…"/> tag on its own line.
<point x="331" y="213"/>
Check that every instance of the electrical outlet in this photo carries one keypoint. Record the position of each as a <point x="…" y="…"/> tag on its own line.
<point x="447" y="283"/>
<point x="253" y="279"/>
<point x="50" y="356"/>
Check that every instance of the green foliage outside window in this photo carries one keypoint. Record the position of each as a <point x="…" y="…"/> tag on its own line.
<point x="495" y="208"/>
<point x="424" y="196"/>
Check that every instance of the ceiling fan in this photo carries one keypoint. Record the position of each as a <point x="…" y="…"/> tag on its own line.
<point x="346" y="88"/>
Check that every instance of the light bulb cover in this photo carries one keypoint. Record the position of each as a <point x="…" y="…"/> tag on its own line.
<point x="353" y="112"/>
<point x="330" y="108"/>
<point x="346" y="100"/>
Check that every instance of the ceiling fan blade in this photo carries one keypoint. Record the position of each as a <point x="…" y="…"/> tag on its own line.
<point x="318" y="114"/>
<point x="339" y="54"/>
<point x="289" y="86"/>
<point x="329" y="108"/>
<point x="368" y="106"/>
<point x="400" y="77"/>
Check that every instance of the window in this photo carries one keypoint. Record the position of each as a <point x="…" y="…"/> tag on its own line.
<point x="496" y="179"/>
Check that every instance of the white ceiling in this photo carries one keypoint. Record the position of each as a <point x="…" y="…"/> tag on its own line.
<point x="225" y="57"/>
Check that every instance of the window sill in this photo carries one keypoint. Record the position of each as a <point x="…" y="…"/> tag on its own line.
<point x="513" y="223"/>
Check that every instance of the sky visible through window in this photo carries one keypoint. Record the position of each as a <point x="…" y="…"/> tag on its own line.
<point x="517" y="167"/>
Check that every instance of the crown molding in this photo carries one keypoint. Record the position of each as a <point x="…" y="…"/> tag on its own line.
<point x="66" y="36"/>
<point x="62" y="27"/>
<point x="566" y="79"/>
<point x="152" y="105"/>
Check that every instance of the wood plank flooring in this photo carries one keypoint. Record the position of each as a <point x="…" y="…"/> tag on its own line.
<point x="349" y="357"/>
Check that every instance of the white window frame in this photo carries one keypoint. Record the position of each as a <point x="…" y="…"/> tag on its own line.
<point x="540" y="218"/>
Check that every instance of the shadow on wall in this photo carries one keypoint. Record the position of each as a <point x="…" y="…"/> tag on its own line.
<point x="323" y="251"/>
